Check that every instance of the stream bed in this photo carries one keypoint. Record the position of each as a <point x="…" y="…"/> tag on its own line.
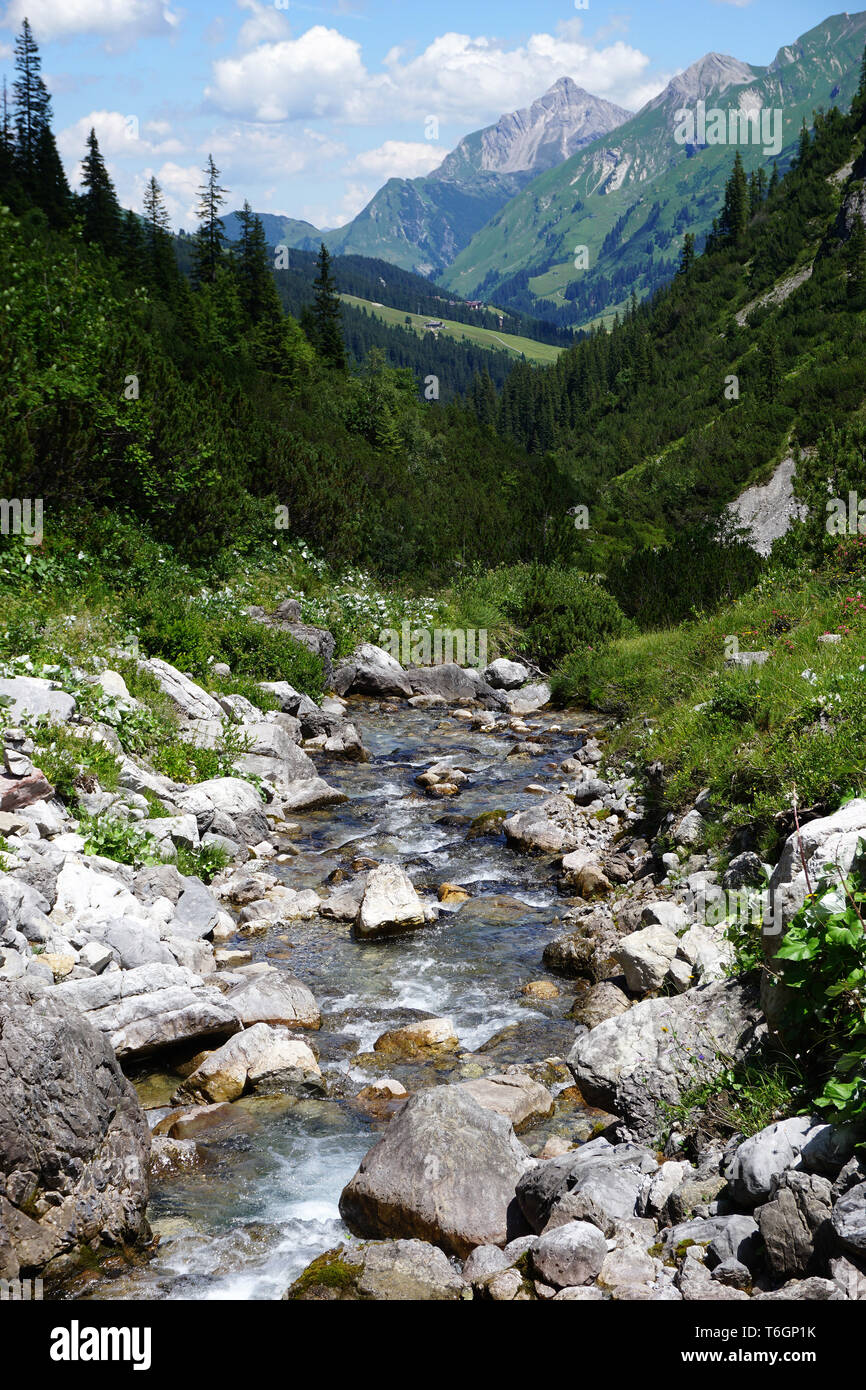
<point x="264" y="1201"/>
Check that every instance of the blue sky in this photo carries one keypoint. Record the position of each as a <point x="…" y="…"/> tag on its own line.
<point x="309" y="107"/>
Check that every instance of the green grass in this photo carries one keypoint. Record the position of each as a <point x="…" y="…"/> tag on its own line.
<point x="484" y="337"/>
<point x="757" y="738"/>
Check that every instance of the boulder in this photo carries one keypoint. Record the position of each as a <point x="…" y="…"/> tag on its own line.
<point x="582" y="871"/>
<point x="274" y="998"/>
<point x="371" y="671"/>
<point x="506" y="675"/>
<point x="830" y="840"/>
<point x="390" y="905"/>
<point x="646" y="956"/>
<point x="758" y="1163"/>
<point x="794" y="1224"/>
<point x="527" y="700"/>
<point x="553" y="827"/>
<point x="445" y="1170"/>
<point x="233" y="798"/>
<point x="513" y="1094"/>
<point x="150" y="1007"/>
<point x="601" y="1002"/>
<point x="309" y="794"/>
<point x="570" y="1256"/>
<point x="31" y="696"/>
<point x="185" y="695"/>
<point x="611" y="1177"/>
<point x="849" y="1220"/>
<point x="451" y="683"/>
<point x="18" y="792"/>
<point x="259" y="1058"/>
<point x="660" y="1048"/>
<point x="429" y="1035"/>
<point x="74" y="1142"/>
<point x="391" y="1271"/>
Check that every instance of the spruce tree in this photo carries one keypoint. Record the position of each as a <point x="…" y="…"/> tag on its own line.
<point x="160" y="264"/>
<point x="687" y="255"/>
<point x="102" y="216"/>
<point x="256" y="285"/>
<point x="327" y="317"/>
<point x="735" y="215"/>
<point x="32" y="102"/>
<point x="210" y="237"/>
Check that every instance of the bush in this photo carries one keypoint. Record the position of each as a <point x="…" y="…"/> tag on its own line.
<point x="700" y="569"/>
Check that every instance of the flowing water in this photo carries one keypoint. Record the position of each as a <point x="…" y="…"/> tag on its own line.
<point x="265" y="1200"/>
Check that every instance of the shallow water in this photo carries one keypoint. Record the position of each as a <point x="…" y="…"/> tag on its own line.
<point x="265" y="1202"/>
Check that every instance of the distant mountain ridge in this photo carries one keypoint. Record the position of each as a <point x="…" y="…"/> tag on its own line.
<point x="630" y="197"/>
<point x="422" y="224"/>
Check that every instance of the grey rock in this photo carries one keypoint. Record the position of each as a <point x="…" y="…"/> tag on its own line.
<point x="32" y="696"/>
<point x="570" y="1255"/>
<point x="849" y="1220"/>
<point x="759" y="1162"/>
<point x="150" y="1007"/>
<point x="612" y="1176"/>
<point x="791" y="1224"/>
<point x="660" y="1047"/>
<point x="445" y="1170"/>
<point x="74" y="1143"/>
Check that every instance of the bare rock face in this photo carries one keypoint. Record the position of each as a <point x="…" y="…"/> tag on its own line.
<point x="74" y="1142"/>
<point x="444" y="1171"/>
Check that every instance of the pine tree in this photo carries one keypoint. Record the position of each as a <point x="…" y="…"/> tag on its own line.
<point x="102" y="214"/>
<point x="327" y="316"/>
<point x="256" y="285"/>
<point x="7" y="144"/>
<point x="37" y="163"/>
<point x="774" y="180"/>
<point x="735" y="214"/>
<point x="805" y="142"/>
<point x="160" y="264"/>
<point x="132" y="247"/>
<point x="32" y="102"/>
<point x="687" y="255"/>
<point x="210" y="237"/>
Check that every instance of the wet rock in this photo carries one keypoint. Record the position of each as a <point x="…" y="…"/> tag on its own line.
<point x="541" y="989"/>
<point x="309" y="794"/>
<point x="259" y="1058"/>
<point x="450" y="682"/>
<point x="74" y="1143"/>
<point x="450" y="893"/>
<point x="194" y="1120"/>
<point x="391" y="1271"/>
<point x="390" y="904"/>
<point x="429" y="1035"/>
<point x="445" y="1171"/>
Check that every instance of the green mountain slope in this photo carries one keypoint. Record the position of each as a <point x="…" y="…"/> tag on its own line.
<point x="630" y="200"/>
<point x="421" y="224"/>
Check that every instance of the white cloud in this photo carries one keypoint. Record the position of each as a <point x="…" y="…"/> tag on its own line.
<point x="397" y="159"/>
<point x="318" y="74"/>
<point x="470" y="81"/>
<point x="119" y="135"/>
<point x="268" y="24"/>
<point x="123" y="19"/>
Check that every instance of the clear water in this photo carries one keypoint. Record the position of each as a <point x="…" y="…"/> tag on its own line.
<point x="266" y="1200"/>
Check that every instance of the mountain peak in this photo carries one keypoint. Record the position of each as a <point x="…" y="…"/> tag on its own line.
<point x="715" y="72"/>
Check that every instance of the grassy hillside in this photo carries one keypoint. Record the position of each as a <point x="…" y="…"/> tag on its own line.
<point x="484" y="337"/>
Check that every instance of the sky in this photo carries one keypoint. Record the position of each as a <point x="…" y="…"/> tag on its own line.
<point x="308" y="108"/>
